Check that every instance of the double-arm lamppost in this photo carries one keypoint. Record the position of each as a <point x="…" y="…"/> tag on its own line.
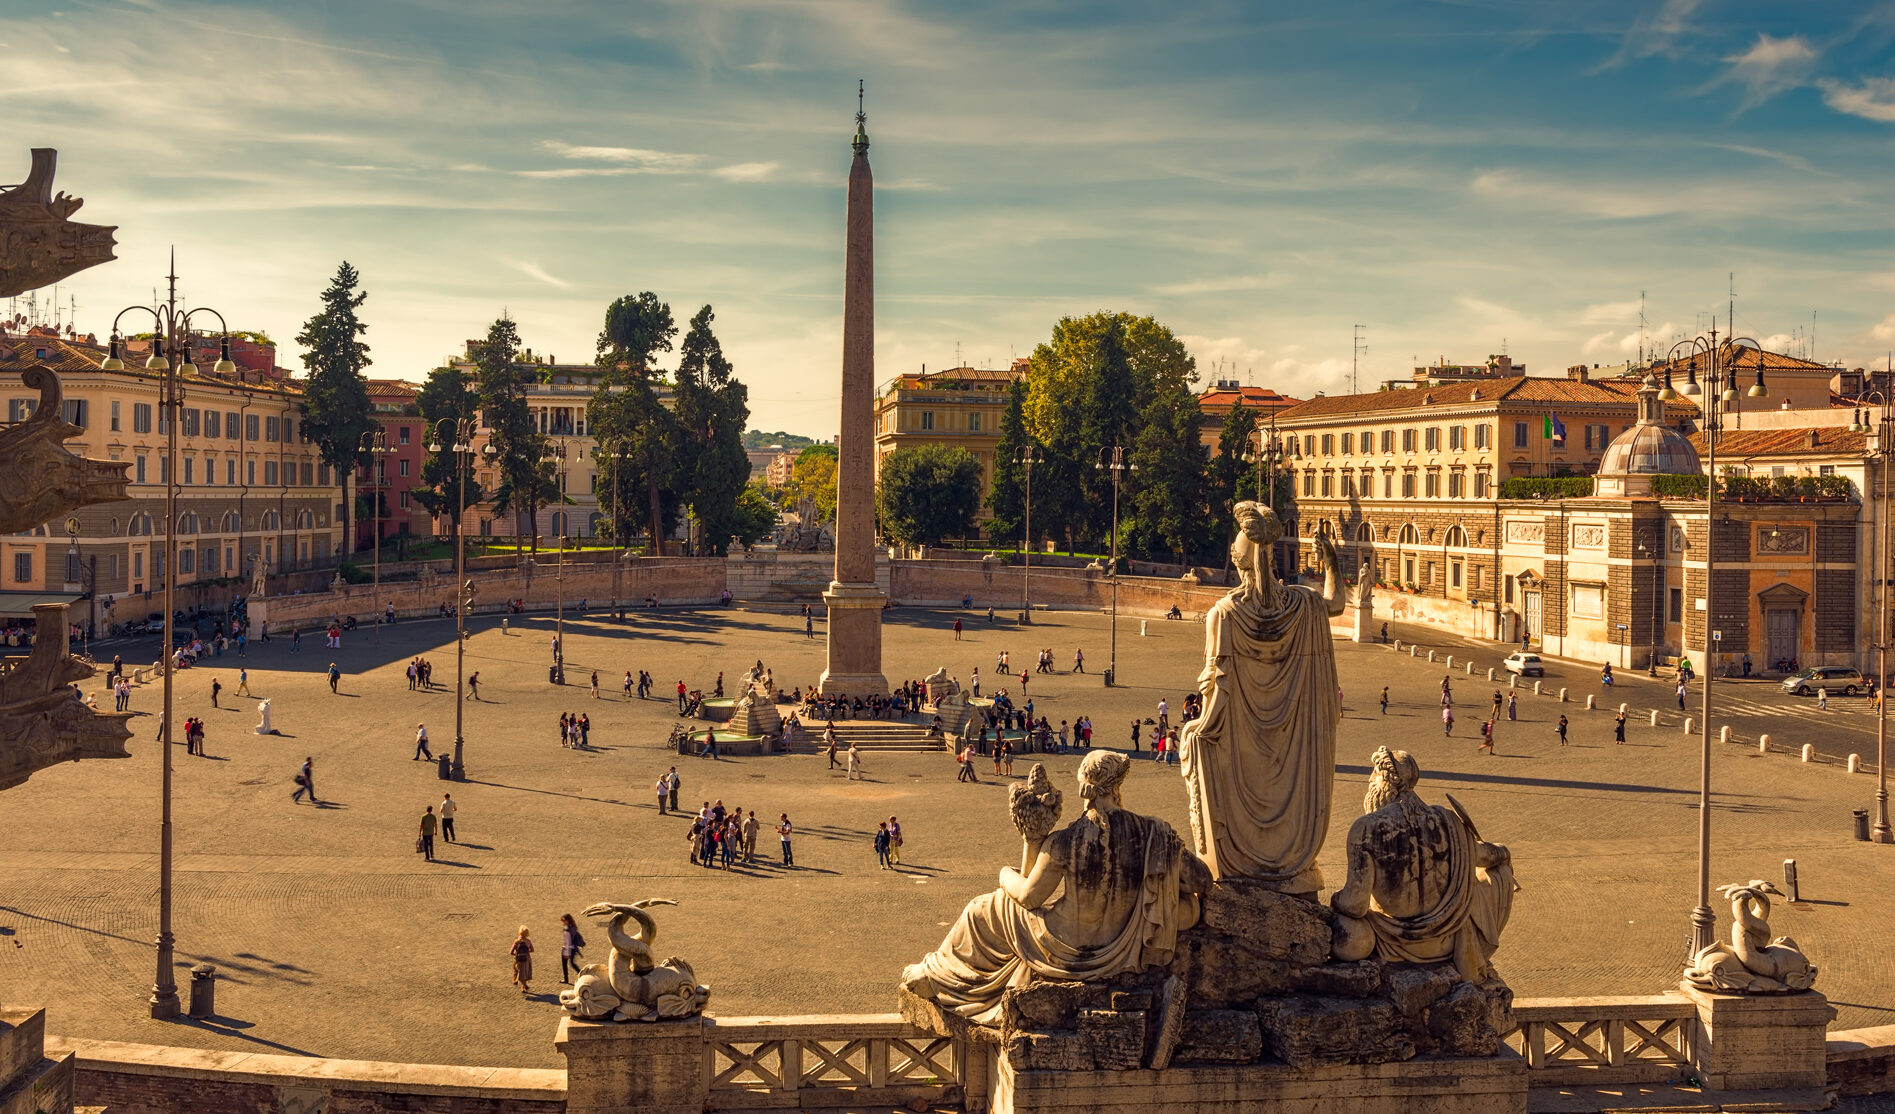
<point x="616" y="451"/>
<point x="1027" y="456"/>
<point x="1883" y="415"/>
<point x="555" y="455"/>
<point x="1112" y="459"/>
<point x="456" y="435"/>
<point x="1265" y="454"/>
<point x="375" y="444"/>
<point x="1719" y="390"/>
<point x="171" y="359"/>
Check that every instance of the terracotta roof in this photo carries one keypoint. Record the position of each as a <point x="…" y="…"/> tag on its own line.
<point x="1220" y="398"/>
<point x="18" y="354"/>
<point x="1516" y="388"/>
<point x="401" y="388"/>
<point x="1830" y="441"/>
<point x="1747" y="361"/>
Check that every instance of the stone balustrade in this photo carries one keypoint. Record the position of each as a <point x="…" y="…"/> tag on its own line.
<point x="1628" y="1039"/>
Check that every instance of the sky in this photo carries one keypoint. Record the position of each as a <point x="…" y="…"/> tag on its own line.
<point x="1461" y="178"/>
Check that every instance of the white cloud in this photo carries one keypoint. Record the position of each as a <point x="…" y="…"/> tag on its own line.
<point x="1219" y="285"/>
<point x="1769" y="67"/>
<point x="1658" y="33"/>
<point x="654" y="161"/>
<point x="747" y="171"/>
<point x="1607" y="313"/>
<point x="1884" y="330"/>
<point x="1874" y="99"/>
<point x="534" y="270"/>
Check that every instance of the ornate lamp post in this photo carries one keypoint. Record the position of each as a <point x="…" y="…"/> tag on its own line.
<point x="1884" y="451"/>
<point x="555" y="455"/>
<point x="1655" y="552"/>
<point x="617" y="451"/>
<point x="1027" y="455"/>
<point x="375" y="443"/>
<point x="460" y="441"/>
<point x="171" y="358"/>
<point x="1720" y="390"/>
<point x="1112" y="459"/>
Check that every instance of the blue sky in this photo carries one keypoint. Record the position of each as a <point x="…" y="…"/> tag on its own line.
<point x="1455" y="176"/>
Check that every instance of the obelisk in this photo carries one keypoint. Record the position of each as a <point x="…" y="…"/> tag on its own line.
<point x="854" y="600"/>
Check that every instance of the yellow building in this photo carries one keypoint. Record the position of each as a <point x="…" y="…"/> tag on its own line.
<point x="250" y="487"/>
<point x="960" y="407"/>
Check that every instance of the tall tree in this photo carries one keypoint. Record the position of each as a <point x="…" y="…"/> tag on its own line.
<point x="519" y="447"/>
<point x="813" y="477"/>
<point x="1168" y="490"/>
<point x="1233" y="479"/>
<point x="628" y="418"/>
<point x="927" y="492"/>
<point x="755" y="516"/>
<point x="336" y="409"/>
<point x="713" y="409"/>
<point x="448" y="393"/>
<point x="1007" y="500"/>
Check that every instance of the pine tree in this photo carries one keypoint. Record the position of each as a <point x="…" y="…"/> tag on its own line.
<point x="519" y="447"/>
<point x="712" y="411"/>
<point x="628" y="419"/>
<point x="1168" y="490"/>
<point x="1232" y="477"/>
<point x="337" y="413"/>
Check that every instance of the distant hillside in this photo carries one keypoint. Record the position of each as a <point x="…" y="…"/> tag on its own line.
<point x="757" y="439"/>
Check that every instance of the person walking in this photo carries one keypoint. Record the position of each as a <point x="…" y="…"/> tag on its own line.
<point x="1486" y="737"/>
<point x="570" y="945"/>
<point x="881" y="845"/>
<point x="894" y="842"/>
<point x="448" y="809"/>
<point x="1447" y="720"/>
<point x="595" y="684"/>
<point x="216" y="687"/>
<point x="1079" y="661"/>
<point x="522" y="951"/>
<point x="1384" y="699"/>
<point x="957" y="630"/>
<point x="783" y="832"/>
<point x="473" y="684"/>
<point x="1681" y="696"/>
<point x="428" y="821"/>
<point x="1618" y="728"/>
<point x="1513" y="705"/>
<point x="1822" y="698"/>
<point x="672" y="777"/>
<point x="421" y="743"/>
<point x="855" y="762"/>
<point x="829" y="743"/>
<point x="809" y="622"/>
<point x="966" y="760"/>
<point x="1561" y="728"/>
<point x="305" y="781"/>
<point x="243" y="682"/>
<point x="335" y="677"/>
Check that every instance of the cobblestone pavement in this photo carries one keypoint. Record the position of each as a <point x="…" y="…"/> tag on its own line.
<point x="332" y="937"/>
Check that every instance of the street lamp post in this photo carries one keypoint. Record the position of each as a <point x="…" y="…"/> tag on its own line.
<point x="170" y="356"/>
<point x="1027" y="455"/>
<point x="460" y="441"/>
<point x="377" y="447"/>
<point x="1884" y="451"/>
<point x="555" y="454"/>
<point x="618" y="451"/>
<point x="1655" y="552"/>
<point x="1720" y="389"/>
<point x="1112" y="459"/>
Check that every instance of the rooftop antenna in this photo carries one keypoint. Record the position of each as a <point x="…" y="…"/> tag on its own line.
<point x="1730" y="307"/>
<point x="1812" y="336"/>
<point x="1355" y="355"/>
<point x="957" y="354"/>
<point x="1641" y="328"/>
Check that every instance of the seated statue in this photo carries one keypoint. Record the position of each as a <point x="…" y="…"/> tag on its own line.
<point x="940" y="686"/>
<point x="1127" y="887"/>
<point x="1753" y="962"/>
<point x="1423" y="887"/>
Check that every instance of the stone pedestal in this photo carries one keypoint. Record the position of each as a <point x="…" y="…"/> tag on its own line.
<point x="855" y="641"/>
<point x="1483" y="1085"/>
<point x="633" y="1068"/>
<point x="1760" y="1042"/>
<point x="31" y="1083"/>
<point x="1361" y="622"/>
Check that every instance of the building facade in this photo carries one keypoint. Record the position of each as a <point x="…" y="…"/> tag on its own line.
<point x="250" y="488"/>
<point x="1215" y="401"/>
<point x="959" y="407"/>
<point x="388" y="487"/>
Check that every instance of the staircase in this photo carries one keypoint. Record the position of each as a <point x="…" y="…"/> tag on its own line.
<point x="869" y="734"/>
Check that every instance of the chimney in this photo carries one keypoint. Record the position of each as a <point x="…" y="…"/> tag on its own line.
<point x="1579" y="373"/>
<point x="1811" y="440"/>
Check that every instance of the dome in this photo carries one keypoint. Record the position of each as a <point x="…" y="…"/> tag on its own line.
<point x="1648" y="449"/>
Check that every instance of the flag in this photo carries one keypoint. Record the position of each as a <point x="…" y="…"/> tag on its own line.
<point x="1555" y="429"/>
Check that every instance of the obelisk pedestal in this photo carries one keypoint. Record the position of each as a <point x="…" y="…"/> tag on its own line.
<point x="854" y="600"/>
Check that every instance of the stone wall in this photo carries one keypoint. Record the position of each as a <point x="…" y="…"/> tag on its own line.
<point x="936" y="583"/>
<point x="673" y="580"/>
<point x="147" y="1079"/>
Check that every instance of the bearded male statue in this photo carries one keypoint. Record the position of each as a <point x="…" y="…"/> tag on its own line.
<point x="1423" y="887"/>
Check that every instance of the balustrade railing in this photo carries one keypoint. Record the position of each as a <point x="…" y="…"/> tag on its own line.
<point x="1631" y="1039"/>
<point x="817" y="1062"/>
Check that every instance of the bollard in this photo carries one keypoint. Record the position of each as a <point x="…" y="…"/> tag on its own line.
<point x="1411" y="649"/>
<point x="1809" y="753"/>
<point x="1513" y="680"/>
<point x="1687" y="725"/>
<point x="1450" y="661"/>
<point x="1398" y="645"/>
<point x="1724" y="733"/>
<point x="1490" y="673"/>
<point x="1763" y="744"/>
<point x="203" y="991"/>
<point x="1855" y="763"/>
<point x="1621" y="709"/>
<point x="1654" y="717"/>
<point x="1562" y="696"/>
<point x="1536" y="688"/>
<point x="1789" y="879"/>
<point x="1589" y="704"/>
<point x="1470" y="669"/>
<point x="1430" y="655"/>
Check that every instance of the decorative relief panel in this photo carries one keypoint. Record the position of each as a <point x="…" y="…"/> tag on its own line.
<point x="1588" y="536"/>
<point x="1677" y="539"/>
<point x="1526" y="531"/>
<point x="1783" y="540"/>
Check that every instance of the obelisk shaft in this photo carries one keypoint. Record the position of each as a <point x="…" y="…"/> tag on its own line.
<point x="853" y="599"/>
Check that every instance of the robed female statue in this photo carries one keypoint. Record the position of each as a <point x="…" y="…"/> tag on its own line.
<point x="1258" y="764"/>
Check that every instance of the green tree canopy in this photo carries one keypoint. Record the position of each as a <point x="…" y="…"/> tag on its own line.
<point x="630" y="422"/>
<point x="712" y="411"/>
<point x="1168" y="490"/>
<point x="502" y="381"/>
<point x="928" y="492"/>
<point x="813" y="477"/>
<point x="448" y="394"/>
<point x="336" y="409"/>
<point x="755" y="516"/>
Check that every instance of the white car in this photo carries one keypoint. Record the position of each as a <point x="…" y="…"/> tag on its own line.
<point x="1526" y="665"/>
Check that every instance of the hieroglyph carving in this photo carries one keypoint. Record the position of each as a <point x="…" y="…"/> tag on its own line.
<point x="39" y="242"/>
<point x="630" y="986"/>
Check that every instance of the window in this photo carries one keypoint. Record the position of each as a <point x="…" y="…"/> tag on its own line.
<point x="74" y="411"/>
<point x="1457" y="485"/>
<point x="404" y="500"/>
<point x="1677" y="605"/>
<point x="308" y="472"/>
<point x="188" y="463"/>
<point x="1597" y="437"/>
<point x="269" y="472"/>
<point x="1480" y="481"/>
<point x="1457" y="437"/>
<point x="138" y="565"/>
<point x="23" y="566"/>
<point x="1826" y="470"/>
<point x="1519" y="435"/>
<point x="1589" y="601"/>
<point x="1388" y="485"/>
<point x="230" y="424"/>
<point x="1408" y="569"/>
<point x="1483" y="436"/>
<point x="141" y="417"/>
<point x="1388" y="440"/>
<point x="213" y="423"/>
<point x="322" y="474"/>
<point x="115" y="416"/>
<point x="230" y="472"/>
<point x="1408" y="485"/>
<point x="1454" y="574"/>
<point x="1309" y="444"/>
<point x="112" y="567"/>
<point x="927" y="419"/>
<point x="187" y="560"/>
<point x="1348" y="443"/>
<point x="1329" y="444"/>
<point x="402" y="434"/>
<point x="250" y="472"/>
<point x="1408" y="440"/>
<point x="973" y="425"/>
<point x="270" y="427"/>
<point x="164" y="469"/>
<point x="20" y="409"/>
<point x="1309" y="481"/>
<point x="250" y="424"/>
<point x="1432" y="438"/>
<point x="1432" y="485"/>
<point x="1329" y="483"/>
<point x="188" y="426"/>
<point x="138" y="469"/>
<point x="1348" y="484"/>
<point x="404" y="467"/>
<point x="72" y="568"/>
<point x="210" y="560"/>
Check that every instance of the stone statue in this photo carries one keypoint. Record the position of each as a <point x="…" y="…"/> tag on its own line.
<point x="1127" y="884"/>
<point x="1259" y="762"/>
<point x="629" y="986"/>
<point x="260" y="579"/>
<point x="1422" y="887"/>
<point x="1752" y="963"/>
<point x="43" y="481"/>
<point x="939" y="685"/>
<point x="40" y="244"/>
<point x="263" y="726"/>
<point x="41" y="721"/>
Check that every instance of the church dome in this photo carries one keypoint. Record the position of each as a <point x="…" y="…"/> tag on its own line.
<point x="1648" y="449"/>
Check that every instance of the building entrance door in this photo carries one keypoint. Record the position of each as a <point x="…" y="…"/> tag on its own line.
<point x="1780" y="641"/>
<point x="1530" y="616"/>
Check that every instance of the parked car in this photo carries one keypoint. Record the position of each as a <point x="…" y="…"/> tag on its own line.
<point x="1526" y="665"/>
<point x="1835" y="678"/>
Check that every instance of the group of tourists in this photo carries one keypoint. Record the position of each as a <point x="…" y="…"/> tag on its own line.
<point x="575" y="730"/>
<point x="420" y="675"/>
